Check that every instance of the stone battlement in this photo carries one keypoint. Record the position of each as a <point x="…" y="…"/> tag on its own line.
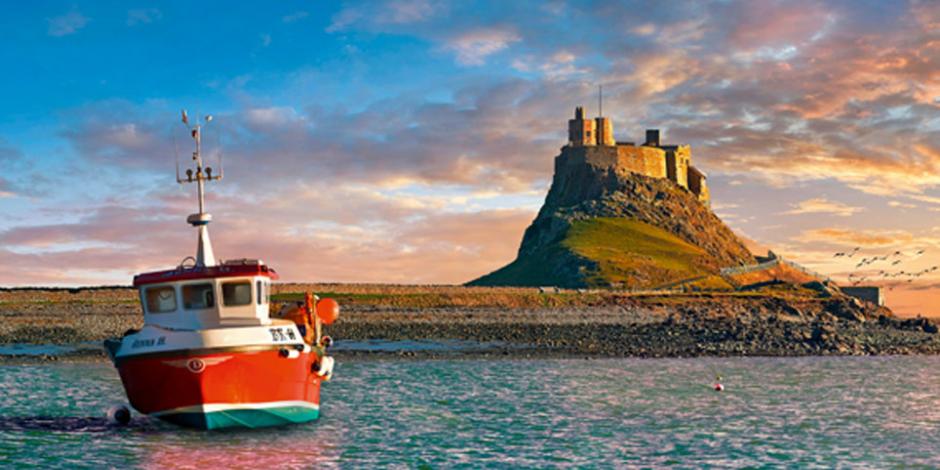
<point x="591" y="142"/>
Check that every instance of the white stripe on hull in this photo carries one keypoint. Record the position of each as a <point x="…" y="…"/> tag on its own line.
<point x="154" y="339"/>
<point x="212" y="407"/>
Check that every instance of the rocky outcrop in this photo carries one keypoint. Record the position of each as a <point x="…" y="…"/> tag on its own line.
<point x="583" y="190"/>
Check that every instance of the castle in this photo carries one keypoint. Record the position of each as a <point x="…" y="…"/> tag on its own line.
<point x="591" y="142"/>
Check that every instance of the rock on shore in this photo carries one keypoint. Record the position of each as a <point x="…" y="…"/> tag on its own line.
<point x="644" y="326"/>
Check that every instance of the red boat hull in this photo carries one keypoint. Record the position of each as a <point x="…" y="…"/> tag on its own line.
<point x="221" y="388"/>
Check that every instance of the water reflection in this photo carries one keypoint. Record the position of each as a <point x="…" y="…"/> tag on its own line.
<point x="273" y="448"/>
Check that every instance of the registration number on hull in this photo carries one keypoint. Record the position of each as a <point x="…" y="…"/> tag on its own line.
<point x="148" y="342"/>
<point x="281" y="335"/>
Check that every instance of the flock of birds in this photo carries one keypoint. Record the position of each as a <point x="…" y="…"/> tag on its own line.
<point x="895" y="259"/>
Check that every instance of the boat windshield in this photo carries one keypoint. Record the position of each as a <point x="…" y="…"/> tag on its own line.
<point x="161" y="299"/>
<point x="236" y="293"/>
<point x="198" y="296"/>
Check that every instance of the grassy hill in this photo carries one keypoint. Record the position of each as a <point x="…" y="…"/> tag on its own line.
<point x="630" y="252"/>
<point x="612" y="251"/>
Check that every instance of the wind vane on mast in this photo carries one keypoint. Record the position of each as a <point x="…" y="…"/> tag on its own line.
<point x="200" y="175"/>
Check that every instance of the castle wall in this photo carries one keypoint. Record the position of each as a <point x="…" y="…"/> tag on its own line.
<point x="623" y="159"/>
<point x="598" y="157"/>
<point x="678" y="159"/>
<point x="698" y="184"/>
<point x="649" y="161"/>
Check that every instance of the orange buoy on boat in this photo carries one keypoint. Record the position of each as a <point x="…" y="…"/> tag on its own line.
<point x="327" y="311"/>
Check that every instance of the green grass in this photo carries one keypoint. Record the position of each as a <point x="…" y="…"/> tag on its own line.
<point x="634" y="254"/>
<point x="532" y="270"/>
<point x="420" y="300"/>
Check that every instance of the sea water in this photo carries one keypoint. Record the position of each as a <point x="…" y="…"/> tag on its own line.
<point x="791" y="412"/>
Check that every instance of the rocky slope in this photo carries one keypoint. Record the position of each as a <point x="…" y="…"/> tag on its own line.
<point x="581" y="193"/>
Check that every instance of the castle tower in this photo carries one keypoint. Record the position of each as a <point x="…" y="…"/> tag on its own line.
<point x="605" y="131"/>
<point x="581" y="132"/>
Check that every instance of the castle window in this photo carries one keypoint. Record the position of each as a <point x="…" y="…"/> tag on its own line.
<point x="588" y="134"/>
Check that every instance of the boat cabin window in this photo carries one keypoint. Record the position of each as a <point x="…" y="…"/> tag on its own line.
<point x="236" y="293"/>
<point x="198" y="296"/>
<point x="160" y="299"/>
<point x="263" y="292"/>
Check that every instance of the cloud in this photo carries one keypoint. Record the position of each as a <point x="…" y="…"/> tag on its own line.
<point x="348" y="235"/>
<point x="902" y="205"/>
<point x="823" y="206"/>
<point x="775" y="23"/>
<point x="381" y="14"/>
<point x="408" y="11"/>
<point x="66" y="24"/>
<point x="645" y="29"/>
<point x="6" y="190"/>
<point x="473" y="47"/>
<point x="498" y="135"/>
<point x="143" y="16"/>
<point x="8" y="153"/>
<point x="344" y="19"/>
<point x="851" y="238"/>
<point x="295" y="16"/>
<point x="560" y="66"/>
<point x="657" y="73"/>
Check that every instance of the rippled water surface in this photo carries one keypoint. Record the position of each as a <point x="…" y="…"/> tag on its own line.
<point x="797" y="412"/>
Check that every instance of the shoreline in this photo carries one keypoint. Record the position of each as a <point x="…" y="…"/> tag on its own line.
<point x="348" y="357"/>
<point x="510" y="323"/>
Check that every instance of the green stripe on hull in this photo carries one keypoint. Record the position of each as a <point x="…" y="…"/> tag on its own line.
<point x="244" y="417"/>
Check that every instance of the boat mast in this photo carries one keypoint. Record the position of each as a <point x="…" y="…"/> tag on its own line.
<point x="204" y="255"/>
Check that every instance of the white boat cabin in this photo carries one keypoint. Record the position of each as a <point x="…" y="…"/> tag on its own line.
<point x="234" y="293"/>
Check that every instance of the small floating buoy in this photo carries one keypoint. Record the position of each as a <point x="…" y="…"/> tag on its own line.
<point x="718" y="386"/>
<point x="119" y="415"/>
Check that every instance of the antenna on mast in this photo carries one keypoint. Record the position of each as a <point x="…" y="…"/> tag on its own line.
<point x="600" y="100"/>
<point x="199" y="175"/>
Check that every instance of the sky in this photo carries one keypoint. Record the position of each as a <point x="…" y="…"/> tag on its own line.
<point x="411" y="141"/>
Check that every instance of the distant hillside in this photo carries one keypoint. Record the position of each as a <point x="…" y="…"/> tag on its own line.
<point x="605" y="228"/>
<point x="619" y="252"/>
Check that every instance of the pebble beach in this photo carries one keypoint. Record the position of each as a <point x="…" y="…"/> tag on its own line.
<point x="448" y="321"/>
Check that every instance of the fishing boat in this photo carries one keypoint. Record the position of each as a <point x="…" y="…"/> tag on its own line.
<point x="210" y="355"/>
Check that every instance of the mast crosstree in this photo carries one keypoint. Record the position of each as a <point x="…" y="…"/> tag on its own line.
<point x="200" y="175"/>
